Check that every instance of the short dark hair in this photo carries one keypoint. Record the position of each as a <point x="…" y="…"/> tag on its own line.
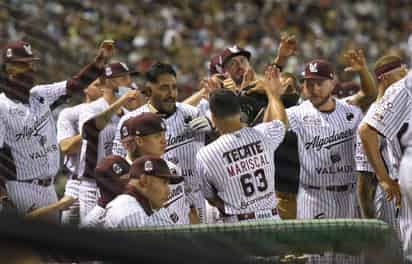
<point x="224" y="103"/>
<point x="158" y="69"/>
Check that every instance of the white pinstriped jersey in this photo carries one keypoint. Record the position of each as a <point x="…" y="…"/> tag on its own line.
<point x="68" y="126"/>
<point x="239" y="168"/>
<point x="125" y="212"/>
<point x="326" y="142"/>
<point x="29" y="133"/>
<point x="104" y="140"/>
<point x="182" y="143"/>
<point x="390" y="116"/>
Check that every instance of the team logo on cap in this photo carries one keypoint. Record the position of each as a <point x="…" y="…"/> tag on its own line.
<point x="125" y="133"/>
<point x="117" y="169"/>
<point x="9" y="53"/>
<point x="313" y="67"/>
<point x="108" y="71"/>
<point x="124" y="66"/>
<point x="234" y="49"/>
<point x="148" y="166"/>
<point x="27" y="48"/>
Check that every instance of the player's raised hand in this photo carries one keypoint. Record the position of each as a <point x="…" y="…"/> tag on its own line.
<point x="355" y="59"/>
<point x="392" y="191"/>
<point x="104" y="53"/>
<point x="271" y="82"/>
<point x="287" y="46"/>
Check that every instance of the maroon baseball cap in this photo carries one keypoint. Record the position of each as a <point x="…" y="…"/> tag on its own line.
<point x="319" y="70"/>
<point x="118" y="69"/>
<point x="231" y="52"/>
<point x="111" y="173"/>
<point x="18" y="51"/>
<point x="153" y="166"/>
<point x="142" y="125"/>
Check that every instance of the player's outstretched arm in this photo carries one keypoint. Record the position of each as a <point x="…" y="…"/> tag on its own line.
<point x="92" y="71"/>
<point x="369" y="138"/>
<point x="366" y="193"/>
<point x="367" y="95"/>
<point x="60" y="205"/>
<point x="102" y="119"/>
<point x="273" y="89"/>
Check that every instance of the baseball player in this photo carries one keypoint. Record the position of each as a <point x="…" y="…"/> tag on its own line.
<point x="238" y="169"/>
<point x="389" y="121"/>
<point x="69" y="139"/>
<point x="145" y="135"/>
<point x="182" y="143"/>
<point x="388" y="70"/>
<point x="97" y="124"/>
<point x="326" y="129"/>
<point x="111" y="174"/>
<point x="29" y="152"/>
<point x="146" y="193"/>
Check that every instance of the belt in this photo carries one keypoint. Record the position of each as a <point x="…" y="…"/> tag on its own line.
<point x="331" y="188"/>
<point x="41" y="182"/>
<point x="252" y="215"/>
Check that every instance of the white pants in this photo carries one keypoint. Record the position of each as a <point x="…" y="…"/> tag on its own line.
<point x="88" y="195"/>
<point x="405" y="216"/>
<point x="29" y="196"/>
<point x="319" y="204"/>
<point x="71" y="216"/>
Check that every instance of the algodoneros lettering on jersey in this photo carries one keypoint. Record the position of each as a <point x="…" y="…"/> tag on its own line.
<point x="326" y="152"/>
<point x="326" y="143"/>
<point x="239" y="168"/>
<point x="29" y="131"/>
<point x="182" y="147"/>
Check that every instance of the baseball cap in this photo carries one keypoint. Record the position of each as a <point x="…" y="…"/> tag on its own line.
<point x="18" y="51"/>
<point x="231" y="52"/>
<point x="110" y="173"/>
<point x="345" y="89"/>
<point x="153" y="166"/>
<point x="142" y="125"/>
<point x="118" y="69"/>
<point x="318" y="69"/>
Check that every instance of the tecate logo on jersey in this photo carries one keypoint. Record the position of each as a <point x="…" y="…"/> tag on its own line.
<point x="328" y="142"/>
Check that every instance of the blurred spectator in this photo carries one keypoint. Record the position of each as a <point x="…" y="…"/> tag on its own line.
<point x="187" y="33"/>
